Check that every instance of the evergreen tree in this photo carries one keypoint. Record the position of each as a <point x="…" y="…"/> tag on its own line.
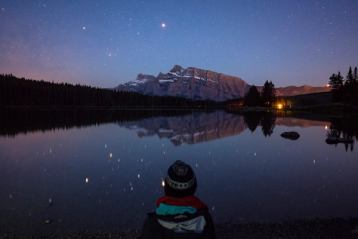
<point x="336" y="83"/>
<point x="268" y="93"/>
<point x="345" y="91"/>
<point x="350" y="88"/>
<point x="252" y="98"/>
<point x="350" y="78"/>
<point x="354" y="88"/>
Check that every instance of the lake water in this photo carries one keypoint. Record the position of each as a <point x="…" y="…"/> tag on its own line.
<point x="103" y="171"/>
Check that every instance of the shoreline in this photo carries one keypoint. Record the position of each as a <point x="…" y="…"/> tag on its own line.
<point x="335" y="110"/>
<point x="340" y="228"/>
<point x="313" y="112"/>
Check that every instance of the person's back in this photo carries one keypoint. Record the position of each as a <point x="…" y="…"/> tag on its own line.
<point x="179" y="214"/>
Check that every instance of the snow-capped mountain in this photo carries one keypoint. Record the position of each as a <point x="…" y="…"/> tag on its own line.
<point x="198" y="84"/>
<point x="192" y="83"/>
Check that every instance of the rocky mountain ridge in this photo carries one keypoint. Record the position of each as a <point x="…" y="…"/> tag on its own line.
<point x="198" y="84"/>
<point x="191" y="82"/>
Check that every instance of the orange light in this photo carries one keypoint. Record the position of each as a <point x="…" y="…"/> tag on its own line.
<point x="279" y="106"/>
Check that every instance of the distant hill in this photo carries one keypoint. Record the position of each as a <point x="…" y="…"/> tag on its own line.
<point x="300" y="90"/>
<point x="198" y="84"/>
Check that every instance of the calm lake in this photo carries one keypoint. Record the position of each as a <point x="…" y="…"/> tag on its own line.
<point x="71" y="171"/>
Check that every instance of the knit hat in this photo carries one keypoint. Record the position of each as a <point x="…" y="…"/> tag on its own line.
<point x="181" y="180"/>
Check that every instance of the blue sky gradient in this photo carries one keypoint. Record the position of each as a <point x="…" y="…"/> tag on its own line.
<point x="104" y="43"/>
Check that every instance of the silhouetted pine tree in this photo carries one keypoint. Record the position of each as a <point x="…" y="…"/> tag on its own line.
<point x="336" y="83"/>
<point x="349" y="87"/>
<point x="268" y="94"/>
<point x="252" y="97"/>
<point x="345" y="90"/>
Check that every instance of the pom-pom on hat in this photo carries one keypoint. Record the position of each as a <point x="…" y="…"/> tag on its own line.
<point x="181" y="180"/>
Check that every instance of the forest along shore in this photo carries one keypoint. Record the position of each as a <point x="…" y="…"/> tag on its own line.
<point x="336" y="228"/>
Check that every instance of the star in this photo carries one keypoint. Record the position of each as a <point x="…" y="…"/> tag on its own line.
<point x="84" y="28"/>
<point x="163" y="25"/>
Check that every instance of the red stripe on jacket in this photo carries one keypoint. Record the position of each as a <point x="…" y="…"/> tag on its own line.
<point x="182" y="201"/>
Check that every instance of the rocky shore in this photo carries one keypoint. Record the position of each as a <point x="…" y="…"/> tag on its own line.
<point x="305" y="229"/>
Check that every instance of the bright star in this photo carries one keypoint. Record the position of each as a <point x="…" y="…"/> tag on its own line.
<point x="163" y="25"/>
<point x="84" y="28"/>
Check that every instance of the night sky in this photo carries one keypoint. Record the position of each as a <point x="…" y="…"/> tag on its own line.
<point x="104" y="43"/>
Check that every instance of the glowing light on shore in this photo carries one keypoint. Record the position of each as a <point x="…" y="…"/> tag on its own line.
<point x="326" y="127"/>
<point x="163" y="183"/>
<point x="279" y="106"/>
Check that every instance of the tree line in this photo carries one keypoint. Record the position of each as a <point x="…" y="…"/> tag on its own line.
<point x="265" y="98"/>
<point x="16" y="91"/>
<point x="345" y="89"/>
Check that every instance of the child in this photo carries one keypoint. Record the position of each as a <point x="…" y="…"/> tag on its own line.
<point x="179" y="214"/>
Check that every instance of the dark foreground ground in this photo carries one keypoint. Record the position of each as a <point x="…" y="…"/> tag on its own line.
<point x="307" y="229"/>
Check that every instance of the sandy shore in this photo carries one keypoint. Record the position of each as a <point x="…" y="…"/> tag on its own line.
<point x="305" y="229"/>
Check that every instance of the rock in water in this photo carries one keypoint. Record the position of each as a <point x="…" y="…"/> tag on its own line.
<point x="290" y="135"/>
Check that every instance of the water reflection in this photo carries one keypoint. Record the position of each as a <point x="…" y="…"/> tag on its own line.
<point x="343" y="131"/>
<point x="102" y="170"/>
<point x="181" y="127"/>
<point x="22" y="121"/>
<point x="190" y="129"/>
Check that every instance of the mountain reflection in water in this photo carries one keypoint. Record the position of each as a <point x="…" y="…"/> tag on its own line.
<point x="198" y="127"/>
<point x="190" y="129"/>
<point x="102" y="169"/>
<point x="181" y="127"/>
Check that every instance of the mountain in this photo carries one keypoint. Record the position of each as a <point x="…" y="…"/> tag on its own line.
<point x="198" y="84"/>
<point x="300" y="90"/>
<point x="192" y="83"/>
